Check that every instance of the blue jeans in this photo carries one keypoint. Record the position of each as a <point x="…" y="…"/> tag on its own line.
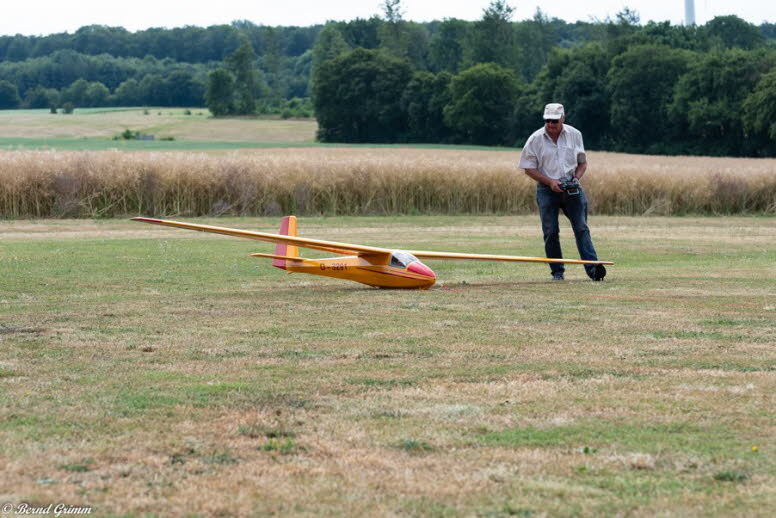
<point x="575" y="209"/>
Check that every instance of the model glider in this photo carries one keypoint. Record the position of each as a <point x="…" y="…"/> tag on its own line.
<point x="380" y="267"/>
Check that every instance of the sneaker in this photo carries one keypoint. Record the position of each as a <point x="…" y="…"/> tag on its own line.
<point x="557" y="276"/>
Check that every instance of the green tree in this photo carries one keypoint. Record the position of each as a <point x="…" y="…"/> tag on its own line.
<point x="97" y="94"/>
<point x="248" y="85"/>
<point x="527" y="112"/>
<point x="619" y="32"/>
<point x="273" y="64"/>
<point x="96" y="39"/>
<point x="357" y="97"/>
<point x="415" y="41"/>
<point x="731" y="31"/>
<point x="768" y="30"/>
<point x="186" y="88"/>
<point x="423" y="101"/>
<point x="40" y="97"/>
<point x="154" y="90"/>
<point x="641" y="83"/>
<point x="219" y="97"/>
<point x="535" y="38"/>
<point x="482" y="102"/>
<point x="128" y="93"/>
<point x="391" y="32"/>
<point x="576" y="78"/>
<point x="446" y="47"/>
<point x="360" y="32"/>
<point x="708" y="100"/>
<point x="19" y="49"/>
<point x="393" y="10"/>
<point x="76" y="93"/>
<point x="300" y="84"/>
<point x="400" y="38"/>
<point x="492" y="39"/>
<point x="9" y="96"/>
<point x="329" y="45"/>
<point x="675" y="36"/>
<point x="759" y="114"/>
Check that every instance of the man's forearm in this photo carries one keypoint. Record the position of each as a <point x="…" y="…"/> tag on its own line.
<point x="580" y="171"/>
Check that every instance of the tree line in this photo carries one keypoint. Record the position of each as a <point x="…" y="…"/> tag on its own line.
<point x="155" y="67"/>
<point x="185" y="44"/>
<point x="112" y="56"/>
<point x="653" y="88"/>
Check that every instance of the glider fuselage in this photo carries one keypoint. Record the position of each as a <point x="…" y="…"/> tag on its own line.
<point x="369" y="270"/>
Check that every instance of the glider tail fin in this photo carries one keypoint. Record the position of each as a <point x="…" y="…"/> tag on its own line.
<point x="287" y="228"/>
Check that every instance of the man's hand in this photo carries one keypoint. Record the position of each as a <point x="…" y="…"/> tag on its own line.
<point x="554" y="185"/>
<point x="542" y="178"/>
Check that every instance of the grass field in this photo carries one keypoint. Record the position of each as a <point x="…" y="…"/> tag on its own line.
<point x="151" y="371"/>
<point x="94" y="129"/>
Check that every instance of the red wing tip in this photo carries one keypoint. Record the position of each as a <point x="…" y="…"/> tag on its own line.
<point x="146" y="220"/>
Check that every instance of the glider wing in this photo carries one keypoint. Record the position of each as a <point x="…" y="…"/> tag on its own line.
<point x="317" y="244"/>
<point x="486" y="257"/>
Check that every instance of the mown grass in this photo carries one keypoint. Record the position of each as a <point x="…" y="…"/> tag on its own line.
<point x="151" y="371"/>
<point x="193" y="128"/>
<point x="101" y="144"/>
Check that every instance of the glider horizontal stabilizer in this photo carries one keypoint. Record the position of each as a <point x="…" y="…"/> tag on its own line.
<point x="274" y="256"/>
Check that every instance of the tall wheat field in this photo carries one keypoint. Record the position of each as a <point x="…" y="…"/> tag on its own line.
<point x="347" y="181"/>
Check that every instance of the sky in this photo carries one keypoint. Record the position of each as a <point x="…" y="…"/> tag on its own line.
<point x="41" y="17"/>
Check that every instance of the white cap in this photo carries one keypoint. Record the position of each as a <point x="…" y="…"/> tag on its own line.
<point x="553" y="111"/>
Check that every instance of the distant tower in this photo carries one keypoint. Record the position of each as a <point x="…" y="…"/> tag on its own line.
<point x="689" y="12"/>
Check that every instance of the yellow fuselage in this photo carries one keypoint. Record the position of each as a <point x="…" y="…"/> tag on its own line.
<point x="373" y="271"/>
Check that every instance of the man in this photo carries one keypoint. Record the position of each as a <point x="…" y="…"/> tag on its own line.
<point x="553" y="155"/>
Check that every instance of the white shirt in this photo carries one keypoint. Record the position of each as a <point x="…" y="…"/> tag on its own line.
<point x="558" y="160"/>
